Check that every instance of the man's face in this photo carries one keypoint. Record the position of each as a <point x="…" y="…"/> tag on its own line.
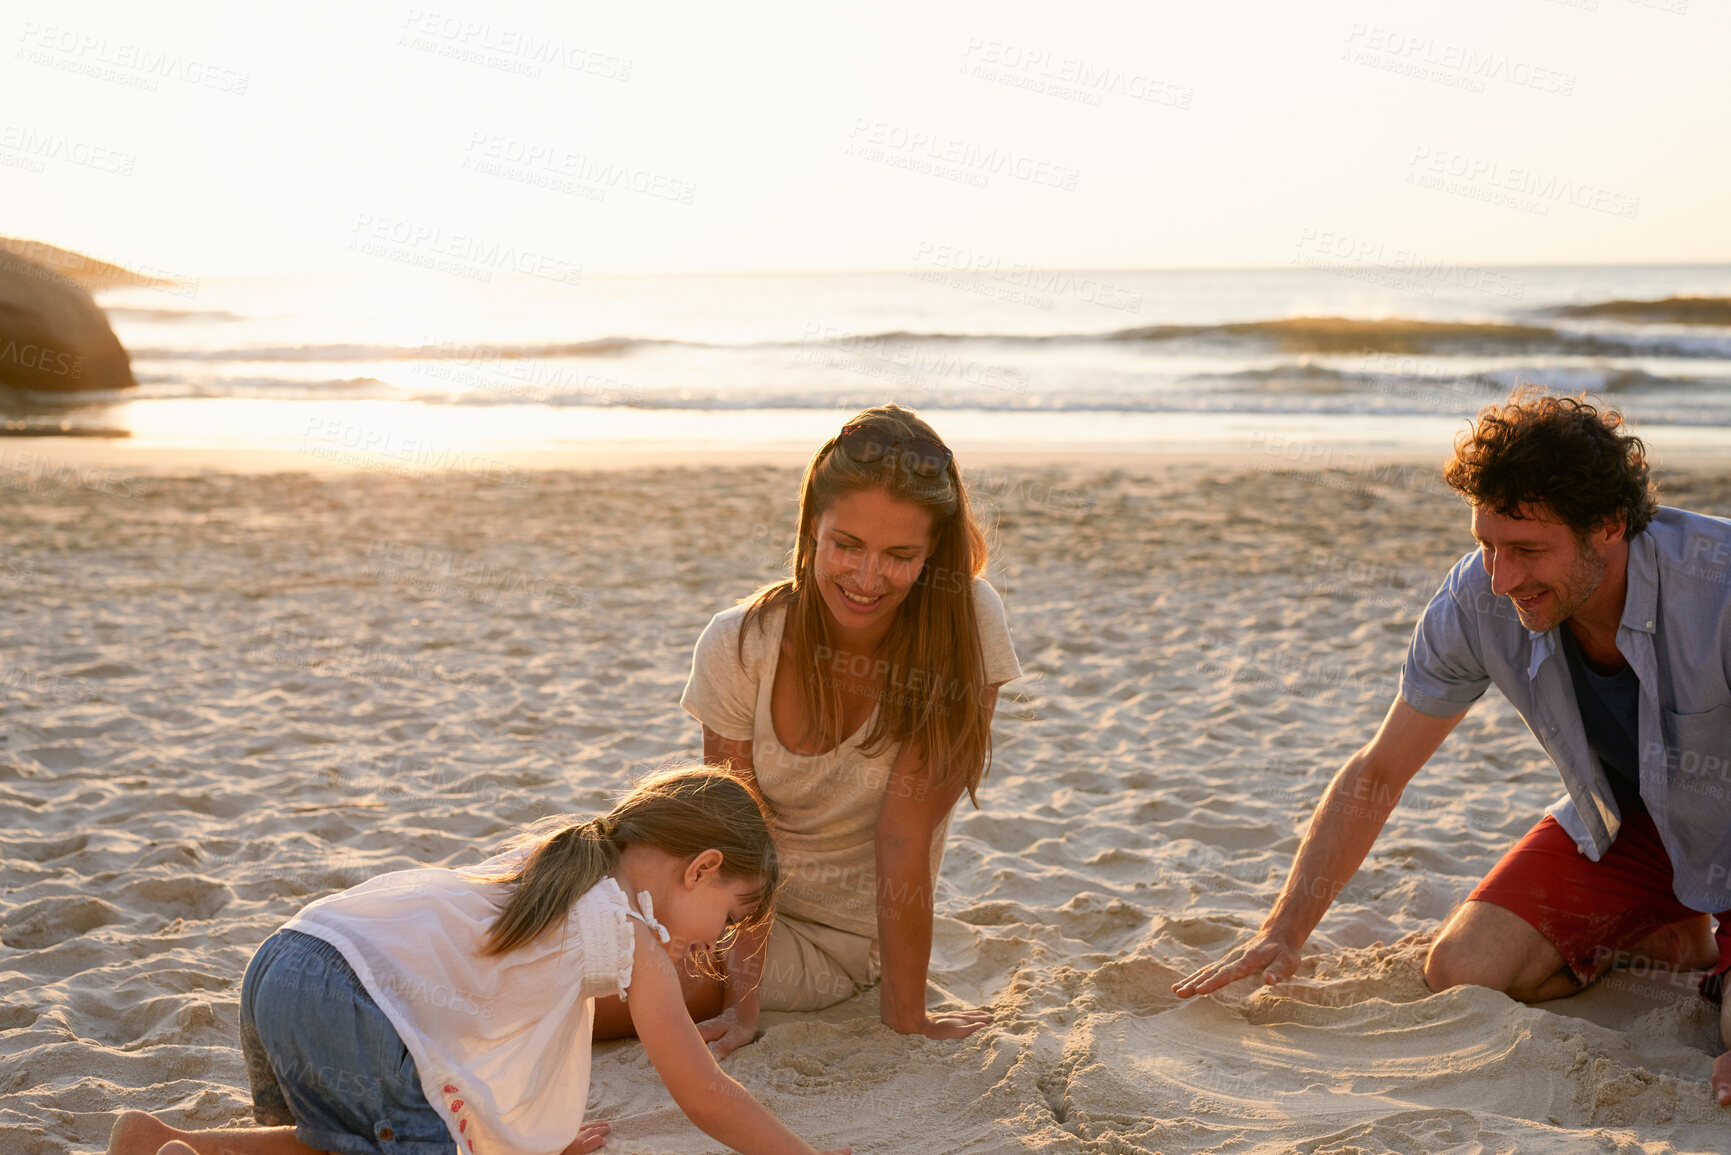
<point x="1540" y="565"/>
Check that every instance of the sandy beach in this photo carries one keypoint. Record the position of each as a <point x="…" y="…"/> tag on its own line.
<point x="226" y="694"/>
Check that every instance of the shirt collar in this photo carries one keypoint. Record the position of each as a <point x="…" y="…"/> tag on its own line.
<point x="1544" y="645"/>
<point x="1640" y="599"/>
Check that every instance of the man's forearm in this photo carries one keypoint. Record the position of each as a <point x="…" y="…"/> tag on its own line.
<point x="1342" y="831"/>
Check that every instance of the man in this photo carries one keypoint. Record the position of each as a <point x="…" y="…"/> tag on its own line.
<point x="1605" y="620"/>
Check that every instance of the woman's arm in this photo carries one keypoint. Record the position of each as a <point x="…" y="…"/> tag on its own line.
<point x="719" y="751"/>
<point x="724" y="1110"/>
<point x="913" y="806"/>
<point x="736" y="1025"/>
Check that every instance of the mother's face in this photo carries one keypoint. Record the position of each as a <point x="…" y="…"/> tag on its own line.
<point x="870" y="549"/>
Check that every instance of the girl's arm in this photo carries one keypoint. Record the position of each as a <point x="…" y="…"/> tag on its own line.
<point x="724" y="1110"/>
<point x="912" y="809"/>
<point x="736" y="1025"/>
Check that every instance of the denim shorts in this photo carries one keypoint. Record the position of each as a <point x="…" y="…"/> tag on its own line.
<point x="321" y="1055"/>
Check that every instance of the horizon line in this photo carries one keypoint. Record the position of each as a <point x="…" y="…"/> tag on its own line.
<point x="902" y="270"/>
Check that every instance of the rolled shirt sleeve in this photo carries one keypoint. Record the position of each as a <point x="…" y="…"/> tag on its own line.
<point x="722" y="690"/>
<point x="996" y="648"/>
<point x="1444" y="672"/>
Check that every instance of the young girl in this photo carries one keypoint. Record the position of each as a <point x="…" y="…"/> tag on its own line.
<point x="859" y="695"/>
<point x="433" y="1011"/>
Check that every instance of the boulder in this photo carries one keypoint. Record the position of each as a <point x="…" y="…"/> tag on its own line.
<point x="53" y="337"/>
<point x="80" y="268"/>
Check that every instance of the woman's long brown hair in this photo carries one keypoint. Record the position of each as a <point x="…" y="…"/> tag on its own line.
<point x="934" y="689"/>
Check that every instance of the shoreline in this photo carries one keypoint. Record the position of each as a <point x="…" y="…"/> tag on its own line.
<point x="408" y="439"/>
<point x="48" y="454"/>
<point x="114" y="454"/>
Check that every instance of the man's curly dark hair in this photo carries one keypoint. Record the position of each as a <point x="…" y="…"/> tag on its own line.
<point x="1555" y="451"/>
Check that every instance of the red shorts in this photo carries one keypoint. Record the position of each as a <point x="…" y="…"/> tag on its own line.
<point x="1594" y="912"/>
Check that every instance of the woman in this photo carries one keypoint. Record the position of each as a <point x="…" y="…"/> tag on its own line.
<point x="859" y="694"/>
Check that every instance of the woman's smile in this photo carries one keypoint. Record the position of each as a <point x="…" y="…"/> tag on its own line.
<point x="859" y="600"/>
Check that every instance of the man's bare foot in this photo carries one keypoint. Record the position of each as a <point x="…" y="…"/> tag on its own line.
<point x="135" y="1133"/>
<point x="1686" y="946"/>
<point x="1722" y="1079"/>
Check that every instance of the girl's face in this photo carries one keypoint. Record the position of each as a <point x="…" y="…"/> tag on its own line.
<point x="871" y="547"/>
<point x="703" y="905"/>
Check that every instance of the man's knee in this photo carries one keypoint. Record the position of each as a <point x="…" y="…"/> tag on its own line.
<point x="1473" y="949"/>
<point x="1453" y="961"/>
<point x="1484" y="945"/>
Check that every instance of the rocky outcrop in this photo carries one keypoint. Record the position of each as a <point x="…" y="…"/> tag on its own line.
<point x="84" y="270"/>
<point x="53" y="337"/>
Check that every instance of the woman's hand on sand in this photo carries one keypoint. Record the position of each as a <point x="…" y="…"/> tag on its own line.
<point x="590" y="1137"/>
<point x="948" y="1024"/>
<point x="729" y="1031"/>
<point x="1276" y="961"/>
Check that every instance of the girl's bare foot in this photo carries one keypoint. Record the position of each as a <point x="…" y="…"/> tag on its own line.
<point x="135" y="1133"/>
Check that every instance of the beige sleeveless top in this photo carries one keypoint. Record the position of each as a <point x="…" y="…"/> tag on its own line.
<point x="825" y="805"/>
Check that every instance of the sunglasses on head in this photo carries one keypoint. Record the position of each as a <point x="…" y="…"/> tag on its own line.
<point x="920" y="456"/>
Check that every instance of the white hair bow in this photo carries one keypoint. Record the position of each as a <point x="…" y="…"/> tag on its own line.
<point x="648" y="916"/>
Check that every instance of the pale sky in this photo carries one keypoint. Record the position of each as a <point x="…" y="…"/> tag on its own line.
<point x="740" y="135"/>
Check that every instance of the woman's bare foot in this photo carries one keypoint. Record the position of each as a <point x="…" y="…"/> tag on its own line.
<point x="590" y="1137"/>
<point x="135" y="1133"/>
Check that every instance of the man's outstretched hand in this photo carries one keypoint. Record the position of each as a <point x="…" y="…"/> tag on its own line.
<point x="1273" y="959"/>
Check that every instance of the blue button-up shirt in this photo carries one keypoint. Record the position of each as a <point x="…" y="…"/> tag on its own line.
<point x="1675" y="634"/>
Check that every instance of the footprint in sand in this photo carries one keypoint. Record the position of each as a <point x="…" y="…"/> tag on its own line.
<point x="50" y="920"/>
<point x="183" y="896"/>
<point x="44" y="850"/>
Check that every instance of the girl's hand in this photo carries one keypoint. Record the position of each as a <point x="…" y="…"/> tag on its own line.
<point x="721" y="1108"/>
<point x="950" y="1024"/>
<point x="730" y="1030"/>
<point x="590" y="1137"/>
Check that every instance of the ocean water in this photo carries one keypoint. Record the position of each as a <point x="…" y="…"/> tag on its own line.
<point x="1346" y="345"/>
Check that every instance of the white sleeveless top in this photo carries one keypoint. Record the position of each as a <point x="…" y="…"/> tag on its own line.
<point x="824" y="806"/>
<point x="501" y="1042"/>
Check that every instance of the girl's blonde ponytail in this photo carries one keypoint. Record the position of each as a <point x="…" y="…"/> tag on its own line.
<point x="679" y="812"/>
<point x="554" y="876"/>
